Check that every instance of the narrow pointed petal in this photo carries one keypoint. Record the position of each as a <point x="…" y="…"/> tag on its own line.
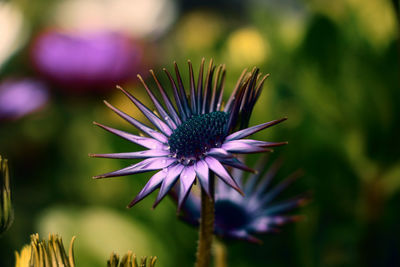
<point x="187" y="178"/>
<point x="167" y="101"/>
<point x="200" y="88"/>
<point x="220" y="170"/>
<point x="279" y="188"/>
<point x="202" y="171"/>
<point x="163" y="113"/>
<point x="267" y="178"/>
<point x="169" y="181"/>
<point x="156" y="121"/>
<point x="252" y="180"/>
<point x="147" y="130"/>
<point x="237" y="146"/>
<point x="221" y="89"/>
<point x="152" y="153"/>
<point x="234" y="162"/>
<point x="243" y="235"/>
<point x="219" y="153"/>
<point x="177" y="97"/>
<point x="193" y="93"/>
<point x="232" y="97"/>
<point x="214" y="92"/>
<point x="207" y="89"/>
<point x="153" y="183"/>
<point x="182" y="92"/>
<point x="261" y="143"/>
<point x="285" y="205"/>
<point x="146" y="165"/>
<point x="251" y="130"/>
<point x="146" y="142"/>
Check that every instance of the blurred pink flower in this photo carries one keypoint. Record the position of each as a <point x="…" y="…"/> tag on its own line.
<point x="21" y="97"/>
<point x="86" y="60"/>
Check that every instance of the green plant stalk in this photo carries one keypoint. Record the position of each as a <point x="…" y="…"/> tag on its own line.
<point x="206" y="229"/>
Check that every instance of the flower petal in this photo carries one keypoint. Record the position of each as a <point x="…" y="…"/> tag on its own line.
<point x="187" y="178"/>
<point x="140" y="140"/>
<point x="219" y="170"/>
<point x="153" y="183"/>
<point x="167" y="101"/>
<point x="237" y="146"/>
<point x="251" y="130"/>
<point x="279" y="188"/>
<point x="169" y="181"/>
<point x="146" y="165"/>
<point x="234" y="162"/>
<point x="219" y="153"/>
<point x="148" y="113"/>
<point x="133" y="155"/>
<point x="202" y="171"/>
<point x="158" y="105"/>
<point x="151" y="132"/>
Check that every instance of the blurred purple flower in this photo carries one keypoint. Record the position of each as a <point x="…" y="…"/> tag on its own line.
<point x="238" y="217"/>
<point x="86" y="60"/>
<point x="196" y="139"/>
<point x="21" y="97"/>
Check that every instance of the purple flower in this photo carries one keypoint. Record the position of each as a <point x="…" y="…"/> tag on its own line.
<point x="21" y="97"/>
<point x="90" y="60"/>
<point x="238" y="217"/>
<point x="196" y="137"/>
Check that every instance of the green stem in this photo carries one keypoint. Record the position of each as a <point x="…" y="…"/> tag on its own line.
<point x="206" y="229"/>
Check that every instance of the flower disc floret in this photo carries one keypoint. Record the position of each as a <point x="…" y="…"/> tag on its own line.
<point x="194" y="137"/>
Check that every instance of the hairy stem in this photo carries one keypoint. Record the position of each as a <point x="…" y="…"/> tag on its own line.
<point x="206" y="229"/>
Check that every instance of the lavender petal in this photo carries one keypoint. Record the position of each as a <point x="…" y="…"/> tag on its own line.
<point x="153" y="183"/>
<point x="134" y="155"/>
<point x="220" y="170"/>
<point x="146" y="142"/>
<point x="158" y="105"/>
<point x="202" y="171"/>
<point x="147" y="130"/>
<point x="167" y="101"/>
<point x="169" y="182"/>
<point x="146" y="165"/>
<point x="156" y="121"/>
<point x="187" y="178"/>
<point x="251" y="130"/>
<point x="236" y="146"/>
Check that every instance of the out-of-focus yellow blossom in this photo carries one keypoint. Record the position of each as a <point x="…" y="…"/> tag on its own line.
<point x="247" y="47"/>
<point x="291" y="31"/>
<point x="199" y="31"/>
<point x="376" y="20"/>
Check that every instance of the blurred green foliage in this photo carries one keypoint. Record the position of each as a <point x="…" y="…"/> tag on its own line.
<point x="335" y="74"/>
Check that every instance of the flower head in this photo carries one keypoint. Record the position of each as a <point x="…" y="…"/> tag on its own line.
<point x="49" y="252"/>
<point x="195" y="138"/>
<point x="130" y="260"/>
<point x="238" y="217"/>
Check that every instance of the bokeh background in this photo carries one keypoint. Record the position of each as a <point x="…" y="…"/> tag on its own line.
<point x="334" y="72"/>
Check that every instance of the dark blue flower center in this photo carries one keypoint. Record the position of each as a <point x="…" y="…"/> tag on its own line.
<point x="229" y="215"/>
<point x="197" y="135"/>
